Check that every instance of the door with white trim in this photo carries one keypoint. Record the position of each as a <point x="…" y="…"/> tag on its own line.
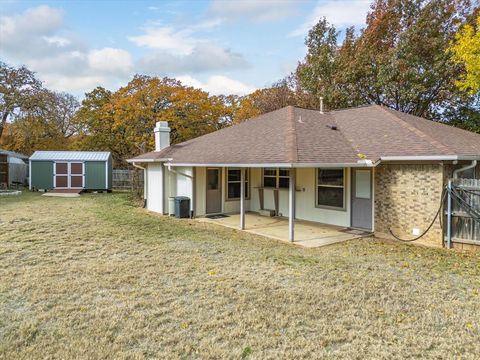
<point x="362" y="199"/>
<point x="77" y="175"/>
<point x="60" y="175"/>
<point x="69" y="175"/>
<point x="214" y="191"/>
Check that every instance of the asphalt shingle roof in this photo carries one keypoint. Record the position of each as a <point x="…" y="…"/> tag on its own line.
<point x="295" y="135"/>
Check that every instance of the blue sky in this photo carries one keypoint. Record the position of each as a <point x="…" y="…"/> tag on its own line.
<point x="221" y="46"/>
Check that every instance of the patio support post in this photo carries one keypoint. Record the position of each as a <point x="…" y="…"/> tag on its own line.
<point x="291" y="206"/>
<point x="242" y="199"/>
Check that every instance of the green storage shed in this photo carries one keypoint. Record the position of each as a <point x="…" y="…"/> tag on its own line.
<point x="88" y="170"/>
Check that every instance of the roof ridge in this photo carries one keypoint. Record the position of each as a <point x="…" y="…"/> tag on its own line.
<point x="418" y="132"/>
<point x="291" y="135"/>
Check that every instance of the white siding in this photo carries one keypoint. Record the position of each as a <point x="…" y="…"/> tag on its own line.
<point x="256" y="182"/>
<point x="200" y="191"/>
<point x="305" y="199"/>
<point x="184" y="183"/>
<point x="231" y="206"/>
<point x="306" y="209"/>
<point x="155" y="198"/>
<point x="178" y="185"/>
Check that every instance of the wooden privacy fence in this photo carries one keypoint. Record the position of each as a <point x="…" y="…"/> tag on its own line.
<point x="466" y="211"/>
<point x="127" y="179"/>
<point x="3" y="171"/>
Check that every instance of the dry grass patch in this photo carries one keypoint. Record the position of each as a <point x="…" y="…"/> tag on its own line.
<point x="95" y="277"/>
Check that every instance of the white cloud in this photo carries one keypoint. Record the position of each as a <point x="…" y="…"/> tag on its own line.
<point x="76" y="83"/>
<point x="253" y="9"/>
<point x="218" y="84"/>
<point x="57" y="40"/>
<point x="203" y="58"/>
<point x="32" y="32"/>
<point x="337" y="13"/>
<point x="165" y="38"/>
<point x="184" y="51"/>
<point x="109" y="60"/>
<point x="39" y="39"/>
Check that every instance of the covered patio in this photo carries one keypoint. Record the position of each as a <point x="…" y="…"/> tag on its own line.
<point x="307" y="234"/>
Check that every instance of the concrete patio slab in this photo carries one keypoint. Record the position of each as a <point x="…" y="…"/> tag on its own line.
<point x="307" y="234"/>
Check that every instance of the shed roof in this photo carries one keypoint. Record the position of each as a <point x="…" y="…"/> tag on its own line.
<point x="70" y="155"/>
<point x="13" y="154"/>
<point x="299" y="136"/>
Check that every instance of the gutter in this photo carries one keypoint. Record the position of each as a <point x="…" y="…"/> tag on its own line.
<point x="360" y="163"/>
<point x="430" y="158"/>
<point x="131" y="161"/>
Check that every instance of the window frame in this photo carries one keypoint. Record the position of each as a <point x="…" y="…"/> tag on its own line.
<point x="344" y="187"/>
<point x="247" y="184"/>
<point x="277" y="178"/>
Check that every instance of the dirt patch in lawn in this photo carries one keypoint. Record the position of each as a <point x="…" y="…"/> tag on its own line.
<point x="94" y="277"/>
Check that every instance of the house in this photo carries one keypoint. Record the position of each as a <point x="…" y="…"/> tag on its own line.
<point x="368" y="167"/>
<point x="13" y="168"/>
<point x="63" y="170"/>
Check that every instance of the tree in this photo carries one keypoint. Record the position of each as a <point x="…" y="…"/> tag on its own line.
<point x="399" y="60"/>
<point x="122" y="122"/>
<point x="95" y="122"/>
<point x="18" y="87"/>
<point x="466" y="51"/>
<point x="46" y="126"/>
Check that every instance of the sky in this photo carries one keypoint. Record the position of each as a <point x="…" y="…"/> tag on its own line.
<point x="223" y="47"/>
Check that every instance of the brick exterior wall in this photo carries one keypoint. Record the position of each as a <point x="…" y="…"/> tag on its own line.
<point x="407" y="196"/>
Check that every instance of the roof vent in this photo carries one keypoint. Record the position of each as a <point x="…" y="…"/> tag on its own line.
<point x="333" y="127"/>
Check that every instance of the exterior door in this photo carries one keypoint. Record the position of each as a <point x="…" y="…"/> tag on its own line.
<point x="362" y="199"/>
<point x="60" y="176"/>
<point x="69" y="175"/>
<point x="76" y="175"/>
<point x="214" y="191"/>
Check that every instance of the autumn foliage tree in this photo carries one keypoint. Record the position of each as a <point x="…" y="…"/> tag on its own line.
<point x="399" y="59"/>
<point x="466" y="51"/>
<point x="123" y="121"/>
<point x="49" y="125"/>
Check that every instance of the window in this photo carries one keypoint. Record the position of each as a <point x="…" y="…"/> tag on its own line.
<point x="276" y="178"/>
<point x="331" y="188"/>
<point x="234" y="181"/>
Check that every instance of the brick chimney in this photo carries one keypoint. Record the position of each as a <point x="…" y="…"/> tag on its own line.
<point x="162" y="135"/>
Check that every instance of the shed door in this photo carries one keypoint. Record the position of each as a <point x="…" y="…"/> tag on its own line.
<point x="362" y="199"/>
<point x="69" y="175"/>
<point x="214" y="191"/>
<point x="60" y="176"/>
<point x="76" y="175"/>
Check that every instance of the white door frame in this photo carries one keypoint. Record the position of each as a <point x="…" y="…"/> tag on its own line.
<point x="68" y="174"/>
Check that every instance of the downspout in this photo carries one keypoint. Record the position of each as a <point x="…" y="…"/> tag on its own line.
<point x="465" y="168"/>
<point x="144" y="183"/>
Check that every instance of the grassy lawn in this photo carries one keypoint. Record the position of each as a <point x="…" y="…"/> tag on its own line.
<point x="95" y="277"/>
